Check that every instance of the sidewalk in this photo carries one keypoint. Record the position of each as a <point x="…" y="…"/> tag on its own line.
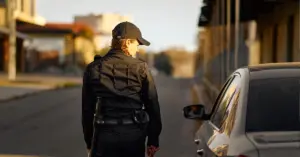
<point x="200" y="95"/>
<point x="204" y="93"/>
<point x="27" y="84"/>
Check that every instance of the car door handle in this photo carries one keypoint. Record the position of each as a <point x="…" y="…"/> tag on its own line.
<point x="200" y="152"/>
<point x="197" y="141"/>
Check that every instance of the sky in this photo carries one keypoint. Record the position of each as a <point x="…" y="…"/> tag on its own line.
<point x="165" y="23"/>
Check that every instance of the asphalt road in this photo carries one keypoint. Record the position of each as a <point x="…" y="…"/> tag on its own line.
<point x="48" y="124"/>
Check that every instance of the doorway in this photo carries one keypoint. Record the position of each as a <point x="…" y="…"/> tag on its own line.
<point x="2" y="52"/>
<point x="290" y="39"/>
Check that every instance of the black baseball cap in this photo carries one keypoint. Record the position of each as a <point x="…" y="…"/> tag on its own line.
<point x="127" y="30"/>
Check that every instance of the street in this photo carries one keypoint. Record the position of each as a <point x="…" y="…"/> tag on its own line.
<point x="49" y="123"/>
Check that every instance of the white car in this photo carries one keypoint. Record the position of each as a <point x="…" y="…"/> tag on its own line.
<point x="257" y="114"/>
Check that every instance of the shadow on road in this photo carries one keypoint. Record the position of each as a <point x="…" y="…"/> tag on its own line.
<point x="21" y="155"/>
<point x="49" y="124"/>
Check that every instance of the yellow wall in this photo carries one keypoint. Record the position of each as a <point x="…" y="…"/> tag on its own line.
<point x="260" y="43"/>
<point x="281" y="41"/>
<point x="85" y="49"/>
<point x="266" y="45"/>
<point x="26" y="7"/>
<point x="297" y="36"/>
<point x="2" y="17"/>
<point x="266" y="25"/>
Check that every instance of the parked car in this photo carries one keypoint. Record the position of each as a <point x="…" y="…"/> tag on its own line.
<point x="256" y="114"/>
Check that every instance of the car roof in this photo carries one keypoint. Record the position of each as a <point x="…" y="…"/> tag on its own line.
<point x="274" y="70"/>
<point x="274" y="66"/>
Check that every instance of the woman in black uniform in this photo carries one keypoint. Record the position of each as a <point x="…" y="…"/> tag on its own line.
<point x="123" y="87"/>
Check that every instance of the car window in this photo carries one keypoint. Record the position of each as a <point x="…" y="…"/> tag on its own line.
<point x="224" y="101"/>
<point x="273" y="105"/>
<point x="220" y="94"/>
<point x="229" y="117"/>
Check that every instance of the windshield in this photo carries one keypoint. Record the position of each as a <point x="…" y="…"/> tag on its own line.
<point x="273" y="105"/>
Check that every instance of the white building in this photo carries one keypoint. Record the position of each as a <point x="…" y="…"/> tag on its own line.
<point x="102" y="24"/>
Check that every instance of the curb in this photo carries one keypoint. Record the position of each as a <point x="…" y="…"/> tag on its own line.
<point x="212" y="90"/>
<point x="57" y="87"/>
<point x="211" y="87"/>
<point x="199" y="94"/>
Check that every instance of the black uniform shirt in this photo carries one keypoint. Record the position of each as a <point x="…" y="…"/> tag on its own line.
<point x="124" y="83"/>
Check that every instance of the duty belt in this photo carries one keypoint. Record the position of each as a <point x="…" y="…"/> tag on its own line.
<point x="113" y="121"/>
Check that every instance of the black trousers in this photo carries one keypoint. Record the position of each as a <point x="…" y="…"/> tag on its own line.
<point x="120" y="141"/>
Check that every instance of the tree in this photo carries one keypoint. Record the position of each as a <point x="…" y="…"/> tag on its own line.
<point x="162" y="62"/>
<point x="176" y="61"/>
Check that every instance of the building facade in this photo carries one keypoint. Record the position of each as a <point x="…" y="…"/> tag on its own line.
<point x="25" y="13"/>
<point x="59" y="45"/>
<point x="258" y="32"/>
<point x="102" y="25"/>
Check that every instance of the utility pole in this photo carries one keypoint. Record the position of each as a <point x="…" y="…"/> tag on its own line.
<point x="11" y="5"/>
<point x="237" y="20"/>
<point x="228" y="36"/>
<point x="223" y="48"/>
<point x="217" y="48"/>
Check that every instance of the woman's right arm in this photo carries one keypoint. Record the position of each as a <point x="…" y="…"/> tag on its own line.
<point x="88" y="109"/>
<point x="150" y="99"/>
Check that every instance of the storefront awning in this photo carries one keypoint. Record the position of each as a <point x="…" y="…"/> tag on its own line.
<point x="2" y="3"/>
<point x="4" y="30"/>
<point x="249" y="10"/>
<point x="205" y="16"/>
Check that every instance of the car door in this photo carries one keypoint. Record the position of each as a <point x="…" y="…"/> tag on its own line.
<point x="214" y="134"/>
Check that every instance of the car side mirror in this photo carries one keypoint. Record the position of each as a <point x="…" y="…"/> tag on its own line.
<point x="195" y="112"/>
